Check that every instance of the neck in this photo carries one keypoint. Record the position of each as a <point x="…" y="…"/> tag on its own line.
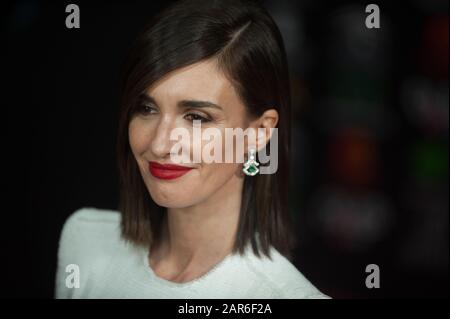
<point x="203" y="233"/>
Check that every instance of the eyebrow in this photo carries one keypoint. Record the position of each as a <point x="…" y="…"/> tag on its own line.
<point x="187" y="103"/>
<point x="198" y="104"/>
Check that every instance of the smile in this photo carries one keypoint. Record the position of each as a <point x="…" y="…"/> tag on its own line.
<point x="167" y="171"/>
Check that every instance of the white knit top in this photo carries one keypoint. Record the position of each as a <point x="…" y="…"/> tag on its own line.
<point x="95" y="262"/>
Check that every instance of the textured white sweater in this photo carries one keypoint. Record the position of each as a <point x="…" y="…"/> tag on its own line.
<point x="92" y="253"/>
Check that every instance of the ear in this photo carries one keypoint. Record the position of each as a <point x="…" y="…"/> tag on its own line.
<point x="263" y="125"/>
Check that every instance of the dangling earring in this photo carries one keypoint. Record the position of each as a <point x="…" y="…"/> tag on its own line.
<point x="251" y="166"/>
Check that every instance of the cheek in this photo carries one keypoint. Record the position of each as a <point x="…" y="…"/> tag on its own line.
<point x="138" y="137"/>
<point x="213" y="176"/>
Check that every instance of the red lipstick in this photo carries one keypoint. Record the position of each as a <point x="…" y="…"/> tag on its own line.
<point x="167" y="171"/>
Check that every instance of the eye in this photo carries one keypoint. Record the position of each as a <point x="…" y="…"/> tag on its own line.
<point x="146" y="109"/>
<point x="197" y="117"/>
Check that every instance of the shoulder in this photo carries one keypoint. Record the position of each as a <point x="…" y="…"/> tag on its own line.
<point x="87" y="229"/>
<point x="89" y="223"/>
<point x="283" y="277"/>
<point x="88" y="239"/>
<point x="92" y="217"/>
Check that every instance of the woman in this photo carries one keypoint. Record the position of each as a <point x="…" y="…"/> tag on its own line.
<point x="194" y="229"/>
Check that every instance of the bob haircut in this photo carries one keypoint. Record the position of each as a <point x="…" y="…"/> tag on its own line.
<point x="249" y="49"/>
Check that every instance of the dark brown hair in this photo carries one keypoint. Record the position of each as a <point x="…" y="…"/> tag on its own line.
<point x="249" y="49"/>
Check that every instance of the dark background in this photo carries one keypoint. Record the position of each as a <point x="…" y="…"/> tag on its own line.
<point x="370" y="137"/>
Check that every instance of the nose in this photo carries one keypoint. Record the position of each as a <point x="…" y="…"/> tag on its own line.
<point x="161" y="144"/>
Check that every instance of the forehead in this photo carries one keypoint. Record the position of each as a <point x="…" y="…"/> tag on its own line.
<point x="199" y="81"/>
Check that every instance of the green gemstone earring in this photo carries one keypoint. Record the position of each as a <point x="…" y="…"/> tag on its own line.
<point x="251" y="166"/>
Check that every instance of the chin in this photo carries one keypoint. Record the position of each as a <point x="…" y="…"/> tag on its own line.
<point x="170" y="199"/>
<point x="171" y="204"/>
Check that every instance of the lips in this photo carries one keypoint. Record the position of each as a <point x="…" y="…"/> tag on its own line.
<point x="167" y="171"/>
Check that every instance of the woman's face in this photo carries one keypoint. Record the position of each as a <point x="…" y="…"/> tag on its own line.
<point x="163" y="109"/>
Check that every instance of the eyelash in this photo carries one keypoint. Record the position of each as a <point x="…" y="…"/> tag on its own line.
<point x="198" y="117"/>
<point x="146" y="109"/>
